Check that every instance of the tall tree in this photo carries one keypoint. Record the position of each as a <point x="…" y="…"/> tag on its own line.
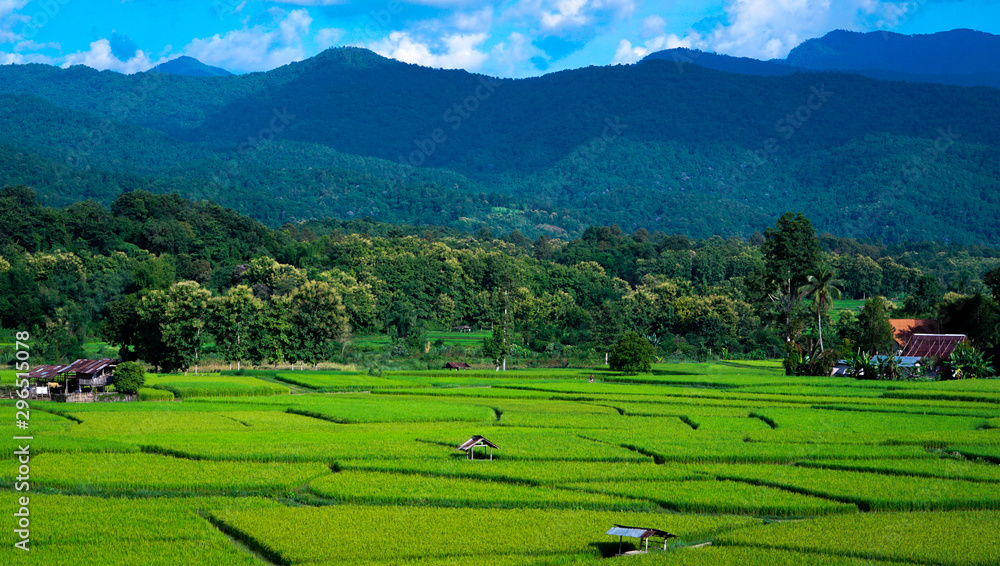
<point x="609" y="324"/>
<point x="233" y="315"/>
<point x="185" y="315"/>
<point x="822" y="288"/>
<point x="791" y="252"/>
<point x="871" y="333"/>
<point x="924" y="297"/>
<point x="317" y="319"/>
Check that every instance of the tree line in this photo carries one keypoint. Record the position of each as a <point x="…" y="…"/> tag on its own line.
<point x="162" y="277"/>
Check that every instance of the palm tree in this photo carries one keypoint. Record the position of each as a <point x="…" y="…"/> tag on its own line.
<point x="822" y="287"/>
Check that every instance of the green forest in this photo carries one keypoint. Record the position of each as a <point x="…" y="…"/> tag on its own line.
<point x="683" y="150"/>
<point x="175" y="282"/>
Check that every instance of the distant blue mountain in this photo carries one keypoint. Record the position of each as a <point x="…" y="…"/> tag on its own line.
<point x="740" y="65"/>
<point x="958" y="57"/>
<point x="189" y="67"/>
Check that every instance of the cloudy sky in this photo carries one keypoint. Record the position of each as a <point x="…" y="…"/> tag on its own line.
<point x="509" y="38"/>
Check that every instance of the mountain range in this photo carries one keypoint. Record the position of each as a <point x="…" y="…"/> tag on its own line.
<point x="669" y="145"/>
<point x="957" y="57"/>
<point x="189" y="67"/>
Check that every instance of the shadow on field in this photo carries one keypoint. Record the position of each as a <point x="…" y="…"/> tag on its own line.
<point x="609" y="549"/>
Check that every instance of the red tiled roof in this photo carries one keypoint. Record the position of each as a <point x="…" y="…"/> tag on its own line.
<point x="904" y="328"/>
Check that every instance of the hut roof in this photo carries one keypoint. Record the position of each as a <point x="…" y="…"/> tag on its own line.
<point x="456" y="365"/>
<point x="477" y="440"/>
<point x="90" y="366"/>
<point x="936" y="345"/>
<point x="46" y="371"/>
<point x="638" y="532"/>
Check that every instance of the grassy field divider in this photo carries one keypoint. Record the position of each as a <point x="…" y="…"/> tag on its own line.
<point x="895" y="411"/>
<point x="875" y="468"/>
<point x="315" y="415"/>
<point x="977" y="453"/>
<point x="861" y="504"/>
<point x="160" y="451"/>
<point x="259" y="548"/>
<point x="688" y="421"/>
<point x="767" y="420"/>
<point x="58" y="413"/>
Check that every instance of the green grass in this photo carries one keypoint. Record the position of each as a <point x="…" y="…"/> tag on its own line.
<point x="308" y="535"/>
<point x="160" y="531"/>
<point x="392" y="489"/>
<point x="136" y="473"/>
<point x="672" y="449"/>
<point x="719" y="497"/>
<point x="214" y="385"/>
<point x="876" y="492"/>
<point x="956" y="538"/>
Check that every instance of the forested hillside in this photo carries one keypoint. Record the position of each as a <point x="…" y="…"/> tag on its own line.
<point x="144" y="265"/>
<point x="658" y="145"/>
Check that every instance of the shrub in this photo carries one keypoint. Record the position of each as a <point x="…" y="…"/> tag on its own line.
<point x="631" y="354"/>
<point x="129" y="377"/>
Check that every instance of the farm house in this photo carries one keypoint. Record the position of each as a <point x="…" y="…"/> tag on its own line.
<point x="79" y="382"/>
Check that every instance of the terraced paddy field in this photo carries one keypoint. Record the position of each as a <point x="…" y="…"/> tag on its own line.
<point x="336" y="468"/>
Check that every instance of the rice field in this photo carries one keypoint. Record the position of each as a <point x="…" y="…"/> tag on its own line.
<point x="342" y="468"/>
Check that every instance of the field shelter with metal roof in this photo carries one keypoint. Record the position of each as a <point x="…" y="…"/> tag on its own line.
<point x="641" y="533"/>
<point x="477" y="441"/>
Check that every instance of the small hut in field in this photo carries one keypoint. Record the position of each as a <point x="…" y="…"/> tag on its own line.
<point x="477" y="441"/>
<point x="641" y="533"/>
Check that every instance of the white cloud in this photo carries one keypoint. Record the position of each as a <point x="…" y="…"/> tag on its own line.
<point x="257" y="48"/>
<point x="328" y="37"/>
<point x="562" y="16"/>
<point x="769" y="29"/>
<point x="22" y="58"/>
<point x="100" y="57"/>
<point x="456" y="51"/>
<point x="30" y="45"/>
<point x="477" y="22"/>
<point x="310" y="2"/>
<point x="512" y="57"/>
<point x="11" y="20"/>
<point x="627" y="53"/>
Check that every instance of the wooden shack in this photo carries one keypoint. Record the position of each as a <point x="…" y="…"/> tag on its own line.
<point x="470" y="445"/>
<point x="80" y="381"/>
<point x="457" y="366"/>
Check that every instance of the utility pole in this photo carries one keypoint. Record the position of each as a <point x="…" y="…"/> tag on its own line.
<point x="505" y="330"/>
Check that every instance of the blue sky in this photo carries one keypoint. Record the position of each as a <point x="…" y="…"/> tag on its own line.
<point x="509" y="38"/>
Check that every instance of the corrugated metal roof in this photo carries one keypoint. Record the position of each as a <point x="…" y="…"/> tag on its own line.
<point x="904" y="361"/>
<point x="638" y="532"/>
<point x="932" y="345"/>
<point x="477" y="441"/>
<point x="46" y="371"/>
<point x="90" y="366"/>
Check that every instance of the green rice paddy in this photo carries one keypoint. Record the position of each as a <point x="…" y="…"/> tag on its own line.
<point x="341" y="468"/>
